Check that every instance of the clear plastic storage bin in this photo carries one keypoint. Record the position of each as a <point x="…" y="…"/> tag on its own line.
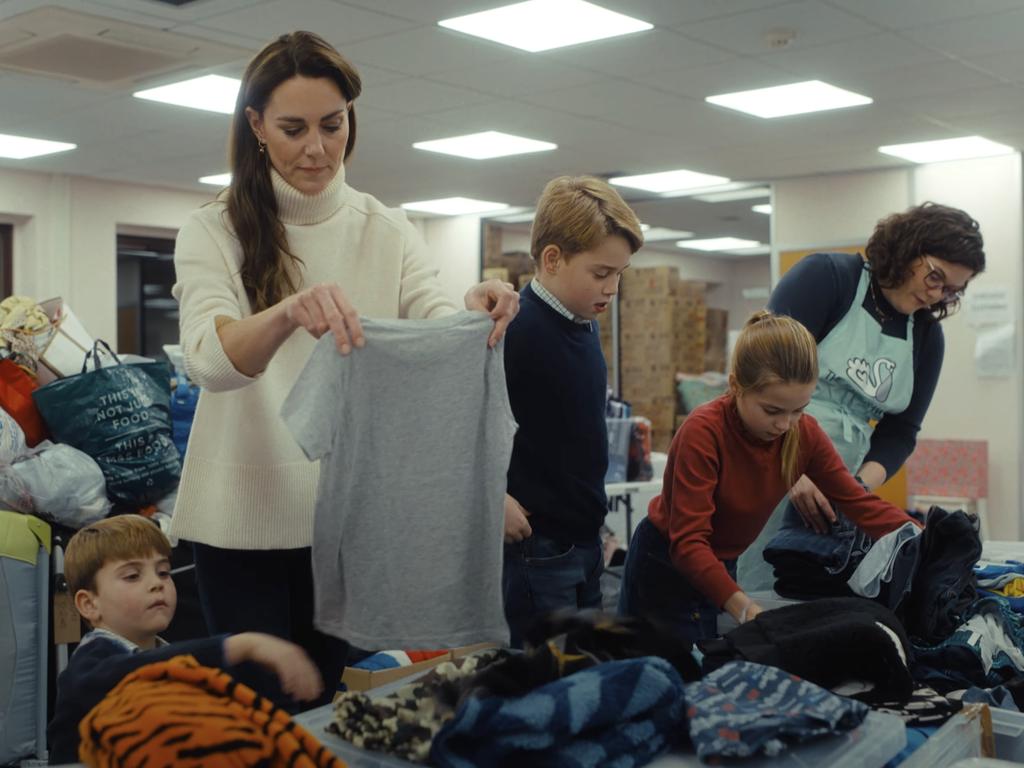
<point x="958" y="739"/>
<point x="871" y="745"/>
<point x="1008" y="730"/>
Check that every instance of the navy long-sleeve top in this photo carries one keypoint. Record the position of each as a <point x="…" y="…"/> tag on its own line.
<point x="557" y="385"/>
<point x="95" y="669"/>
<point x="818" y="292"/>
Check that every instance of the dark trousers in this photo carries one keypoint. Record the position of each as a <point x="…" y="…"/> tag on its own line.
<point x="653" y="588"/>
<point x="267" y="591"/>
<point x="542" y="575"/>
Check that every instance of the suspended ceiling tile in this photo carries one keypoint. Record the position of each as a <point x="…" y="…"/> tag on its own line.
<point x="417" y="96"/>
<point x="736" y="74"/>
<point x="900" y="84"/>
<point x="903" y="14"/>
<point x="518" y="76"/>
<point x="673" y="13"/>
<point x="639" y="53"/>
<point x="338" y="24"/>
<point x="424" y="12"/>
<point x="836" y="61"/>
<point x="1005" y="66"/>
<point x="976" y="36"/>
<point x="430" y="50"/>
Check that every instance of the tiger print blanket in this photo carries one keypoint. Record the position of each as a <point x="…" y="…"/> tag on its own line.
<point x="179" y="713"/>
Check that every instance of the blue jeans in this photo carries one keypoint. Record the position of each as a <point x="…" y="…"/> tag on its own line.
<point x="542" y="575"/>
<point x="839" y="551"/>
<point x="652" y="587"/>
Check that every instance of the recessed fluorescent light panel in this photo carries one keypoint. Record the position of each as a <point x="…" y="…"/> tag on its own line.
<point x="765" y="208"/>
<point x="669" y="181"/>
<point x="657" y="234"/>
<point x="963" y="148"/>
<point x="519" y="217"/>
<point x="793" y="99"/>
<point x="719" y="244"/>
<point x="213" y="93"/>
<point x="454" y="206"/>
<point x="483" y="146"/>
<point x="540" y="25"/>
<point x="218" y="179"/>
<point x="748" y="193"/>
<point x="23" y="147"/>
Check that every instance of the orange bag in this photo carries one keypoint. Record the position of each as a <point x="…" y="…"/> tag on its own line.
<point x="16" y="387"/>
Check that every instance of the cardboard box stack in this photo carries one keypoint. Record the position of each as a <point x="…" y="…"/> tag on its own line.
<point x="661" y="331"/>
<point x="716" y="324"/>
<point x="689" y="326"/>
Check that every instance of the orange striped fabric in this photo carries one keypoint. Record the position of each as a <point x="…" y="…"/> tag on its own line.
<point x="179" y="713"/>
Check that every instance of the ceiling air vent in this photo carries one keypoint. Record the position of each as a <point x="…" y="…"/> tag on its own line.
<point x="53" y="42"/>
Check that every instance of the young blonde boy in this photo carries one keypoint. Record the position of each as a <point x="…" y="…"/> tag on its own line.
<point x="119" y="572"/>
<point x="582" y="240"/>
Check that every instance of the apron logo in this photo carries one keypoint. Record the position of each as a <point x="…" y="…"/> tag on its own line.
<point x="875" y="383"/>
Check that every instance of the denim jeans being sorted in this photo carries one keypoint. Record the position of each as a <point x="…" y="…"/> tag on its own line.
<point x="542" y="575"/>
<point x="654" y="588"/>
<point x="839" y="550"/>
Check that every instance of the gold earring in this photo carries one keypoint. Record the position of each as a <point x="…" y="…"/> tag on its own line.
<point x="262" y="145"/>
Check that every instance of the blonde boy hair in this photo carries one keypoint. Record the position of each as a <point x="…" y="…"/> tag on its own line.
<point x="775" y="349"/>
<point x="577" y="213"/>
<point x="124" y="537"/>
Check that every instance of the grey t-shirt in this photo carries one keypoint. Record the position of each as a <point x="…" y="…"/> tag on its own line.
<point x="414" y="434"/>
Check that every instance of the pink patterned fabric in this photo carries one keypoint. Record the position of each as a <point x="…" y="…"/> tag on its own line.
<point x="949" y="468"/>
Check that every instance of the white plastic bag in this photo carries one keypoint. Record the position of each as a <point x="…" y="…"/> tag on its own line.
<point x="57" y="482"/>
<point x="12" y="439"/>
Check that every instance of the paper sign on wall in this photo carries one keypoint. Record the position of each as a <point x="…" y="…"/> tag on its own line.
<point x="994" y="351"/>
<point x="988" y="305"/>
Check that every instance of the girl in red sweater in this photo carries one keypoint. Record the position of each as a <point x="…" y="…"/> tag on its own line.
<point x="730" y="463"/>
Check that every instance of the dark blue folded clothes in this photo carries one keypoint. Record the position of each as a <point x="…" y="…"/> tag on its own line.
<point x="745" y="709"/>
<point x="984" y="651"/>
<point x="944" y="586"/>
<point x="621" y="712"/>
<point x="837" y="552"/>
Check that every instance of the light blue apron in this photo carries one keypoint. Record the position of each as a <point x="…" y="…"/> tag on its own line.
<point x="862" y="375"/>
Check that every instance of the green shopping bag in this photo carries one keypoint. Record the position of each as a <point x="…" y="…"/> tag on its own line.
<point x="121" y="417"/>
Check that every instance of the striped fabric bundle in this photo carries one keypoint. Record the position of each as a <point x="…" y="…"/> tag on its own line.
<point x="179" y="713"/>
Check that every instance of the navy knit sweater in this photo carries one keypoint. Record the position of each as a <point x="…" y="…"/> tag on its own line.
<point x="557" y="384"/>
<point x="95" y="669"/>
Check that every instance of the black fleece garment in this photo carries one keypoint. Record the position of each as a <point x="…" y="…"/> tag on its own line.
<point x="829" y="641"/>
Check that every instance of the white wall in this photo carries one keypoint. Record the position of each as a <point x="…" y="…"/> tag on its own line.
<point x="65" y="236"/>
<point x="842" y="209"/>
<point x="454" y="244"/>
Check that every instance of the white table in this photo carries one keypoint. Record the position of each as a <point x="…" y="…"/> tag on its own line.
<point x="622" y="493"/>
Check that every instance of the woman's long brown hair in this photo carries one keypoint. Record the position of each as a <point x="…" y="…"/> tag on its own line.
<point x="267" y="262"/>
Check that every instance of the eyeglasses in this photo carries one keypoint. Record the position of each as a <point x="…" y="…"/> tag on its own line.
<point x="936" y="278"/>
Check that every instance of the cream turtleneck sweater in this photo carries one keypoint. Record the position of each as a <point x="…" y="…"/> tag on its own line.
<point x="246" y="484"/>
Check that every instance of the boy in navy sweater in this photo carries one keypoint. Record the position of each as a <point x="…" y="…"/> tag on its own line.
<point x="582" y="239"/>
<point x="119" y="572"/>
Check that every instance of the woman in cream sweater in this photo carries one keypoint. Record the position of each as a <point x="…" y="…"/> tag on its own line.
<point x="287" y="253"/>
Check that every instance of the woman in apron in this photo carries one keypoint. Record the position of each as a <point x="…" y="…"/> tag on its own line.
<point x="880" y="350"/>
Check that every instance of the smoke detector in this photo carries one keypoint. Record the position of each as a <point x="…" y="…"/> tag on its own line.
<point x="779" y="37"/>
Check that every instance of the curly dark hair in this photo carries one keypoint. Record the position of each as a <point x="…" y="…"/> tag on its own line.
<point x="929" y="229"/>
